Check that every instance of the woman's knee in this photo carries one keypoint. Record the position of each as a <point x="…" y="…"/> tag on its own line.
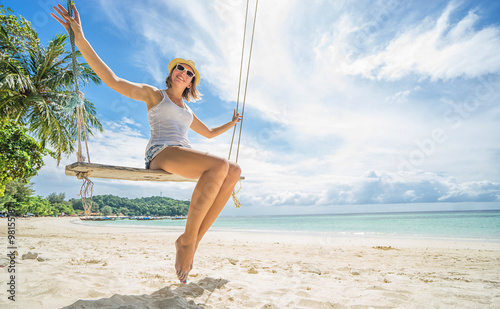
<point x="234" y="171"/>
<point x="220" y="168"/>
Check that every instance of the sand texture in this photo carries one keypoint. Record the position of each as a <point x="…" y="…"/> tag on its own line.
<point x="68" y="265"/>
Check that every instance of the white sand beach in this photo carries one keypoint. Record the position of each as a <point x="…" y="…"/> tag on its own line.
<point x="79" y="266"/>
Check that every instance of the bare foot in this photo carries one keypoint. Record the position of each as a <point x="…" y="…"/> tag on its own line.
<point x="184" y="258"/>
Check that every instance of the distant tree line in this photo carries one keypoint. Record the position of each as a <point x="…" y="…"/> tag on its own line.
<point x="20" y="201"/>
<point x="145" y="206"/>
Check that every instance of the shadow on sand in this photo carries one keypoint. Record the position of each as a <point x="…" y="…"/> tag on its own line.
<point x="161" y="299"/>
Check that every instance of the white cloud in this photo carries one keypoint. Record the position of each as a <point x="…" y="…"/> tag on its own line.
<point x="402" y="96"/>
<point x="380" y="188"/>
<point x="119" y="144"/>
<point x="433" y="48"/>
<point x="130" y="121"/>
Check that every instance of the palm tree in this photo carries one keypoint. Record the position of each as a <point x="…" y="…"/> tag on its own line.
<point x="36" y="91"/>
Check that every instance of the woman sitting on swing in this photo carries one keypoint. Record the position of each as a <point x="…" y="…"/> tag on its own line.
<point x="169" y="148"/>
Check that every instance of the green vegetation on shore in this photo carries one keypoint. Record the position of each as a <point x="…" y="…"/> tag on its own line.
<point x="144" y="206"/>
<point x="20" y="201"/>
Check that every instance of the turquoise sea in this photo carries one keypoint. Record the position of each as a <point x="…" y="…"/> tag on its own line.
<point x="483" y="225"/>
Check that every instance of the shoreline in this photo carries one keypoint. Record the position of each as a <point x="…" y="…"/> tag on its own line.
<point x="246" y="269"/>
<point x="408" y="239"/>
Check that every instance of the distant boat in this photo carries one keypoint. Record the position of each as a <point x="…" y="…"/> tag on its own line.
<point x="97" y="218"/>
<point x="149" y="218"/>
<point x="179" y="218"/>
<point x="157" y="218"/>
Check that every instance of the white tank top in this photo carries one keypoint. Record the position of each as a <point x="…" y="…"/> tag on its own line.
<point x="169" y="123"/>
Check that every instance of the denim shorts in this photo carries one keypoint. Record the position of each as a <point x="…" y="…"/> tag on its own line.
<point x="153" y="151"/>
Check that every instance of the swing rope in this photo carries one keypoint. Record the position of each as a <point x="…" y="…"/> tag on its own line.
<point x="77" y="101"/>
<point x="235" y="192"/>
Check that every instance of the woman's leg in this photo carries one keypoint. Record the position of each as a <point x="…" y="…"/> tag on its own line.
<point x="215" y="183"/>
<point x="227" y="188"/>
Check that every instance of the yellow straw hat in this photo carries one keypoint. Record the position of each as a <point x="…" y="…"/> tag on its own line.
<point x="191" y="63"/>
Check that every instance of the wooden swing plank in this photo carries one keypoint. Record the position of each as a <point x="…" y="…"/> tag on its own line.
<point x="93" y="170"/>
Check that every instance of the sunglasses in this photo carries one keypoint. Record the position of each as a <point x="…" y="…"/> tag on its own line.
<point x="182" y="68"/>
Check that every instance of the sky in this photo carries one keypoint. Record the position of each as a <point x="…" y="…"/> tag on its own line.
<point x="351" y="106"/>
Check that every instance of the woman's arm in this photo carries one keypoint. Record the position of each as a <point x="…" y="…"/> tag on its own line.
<point x="132" y="90"/>
<point x="199" y="127"/>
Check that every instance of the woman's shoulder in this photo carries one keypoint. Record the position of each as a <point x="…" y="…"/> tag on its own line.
<point x="156" y="96"/>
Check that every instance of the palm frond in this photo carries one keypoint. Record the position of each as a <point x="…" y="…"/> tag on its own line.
<point x="35" y="89"/>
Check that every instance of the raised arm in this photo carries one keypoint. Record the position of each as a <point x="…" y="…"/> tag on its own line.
<point x="199" y="127"/>
<point x="136" y="91"/>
